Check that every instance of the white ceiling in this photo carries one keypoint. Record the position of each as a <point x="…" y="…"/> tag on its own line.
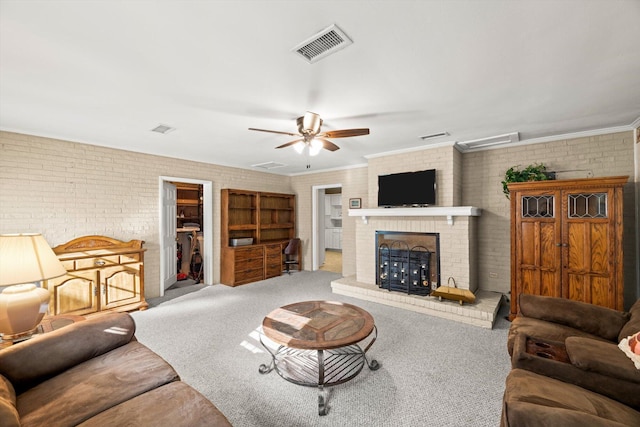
<point x="107" y="72"/>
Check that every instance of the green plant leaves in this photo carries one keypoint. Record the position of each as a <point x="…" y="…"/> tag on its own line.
<point x="534" y="172"/>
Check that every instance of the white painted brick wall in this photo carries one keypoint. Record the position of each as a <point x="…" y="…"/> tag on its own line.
<point x="65" y="190"/>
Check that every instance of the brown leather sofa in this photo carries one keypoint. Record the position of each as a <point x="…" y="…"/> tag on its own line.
<point x="567" y="367"/>
<point x="95" y="373"/>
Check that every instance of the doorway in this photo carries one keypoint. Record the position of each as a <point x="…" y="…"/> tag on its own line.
<point x="327" y="227"/>
<point x="171" y="210"/>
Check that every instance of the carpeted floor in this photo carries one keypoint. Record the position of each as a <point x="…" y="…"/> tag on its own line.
<point x="434" y="372"/>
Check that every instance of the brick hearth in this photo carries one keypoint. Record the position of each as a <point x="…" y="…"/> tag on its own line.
<point x="482" y="313"/>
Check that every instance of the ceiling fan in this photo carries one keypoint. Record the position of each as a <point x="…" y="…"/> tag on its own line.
<point x="309" y="129"/>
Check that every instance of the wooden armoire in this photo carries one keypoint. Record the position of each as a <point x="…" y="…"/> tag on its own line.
<point x="566" y="240"/>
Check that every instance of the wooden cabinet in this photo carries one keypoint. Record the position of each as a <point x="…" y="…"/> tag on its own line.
<point x="566" y="240"/>
<point x="273" y="259"/>
<point x="242" y="265"/>
<point x="266" y="218"/>
<point x="103" y="274"/>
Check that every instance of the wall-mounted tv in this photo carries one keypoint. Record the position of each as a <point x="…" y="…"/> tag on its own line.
<point x="407" y="189"/>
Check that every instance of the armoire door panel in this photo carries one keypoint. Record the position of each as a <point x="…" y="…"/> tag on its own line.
<point x="601" y="292"/>
<point x="576" y="256"/>
<point x="529" y="283"/>
<point x="576" y="288"/>
<point x="529" y="247"/>
<point x="549" y="251"/>
<point x="600" y="248"/>
<point x="550" y="283"/>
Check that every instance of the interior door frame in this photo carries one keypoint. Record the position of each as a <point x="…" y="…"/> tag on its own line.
<point x="315" y="222"/>
<point x="207" y="219"/>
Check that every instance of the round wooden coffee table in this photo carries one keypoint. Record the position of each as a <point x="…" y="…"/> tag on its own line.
<point x="318" y="344"/>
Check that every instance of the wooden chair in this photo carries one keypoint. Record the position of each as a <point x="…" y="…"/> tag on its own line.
<point x="291" y="255"/>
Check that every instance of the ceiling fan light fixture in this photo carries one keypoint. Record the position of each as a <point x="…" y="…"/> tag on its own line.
<point x="299" y="147"/>
<point x="314" y="147"/>
<point x="309" y="123"/>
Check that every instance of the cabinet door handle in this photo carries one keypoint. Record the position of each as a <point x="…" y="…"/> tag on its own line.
<point x="564" y="245"/>
<point x="100" y="263"/>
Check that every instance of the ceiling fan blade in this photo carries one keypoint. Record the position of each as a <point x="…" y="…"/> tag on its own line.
<point x="274" y="131"/>
<point x="345" y="133"/>
<point x="328" y="145"/>
<point x="289" y="143"/>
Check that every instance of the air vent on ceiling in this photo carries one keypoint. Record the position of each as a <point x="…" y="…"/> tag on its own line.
<point x="434" y="135"/>
<point x="322" y="44"/>
<point x="163" y="129"/>
<point x="490" y="141"/>
<point x="269" y="165"/>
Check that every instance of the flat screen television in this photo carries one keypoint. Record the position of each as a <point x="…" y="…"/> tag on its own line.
<point x="407" y="189"/>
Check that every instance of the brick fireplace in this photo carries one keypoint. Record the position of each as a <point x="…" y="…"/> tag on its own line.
<point x="456" y="230"/>
<point x="456" y="227"/>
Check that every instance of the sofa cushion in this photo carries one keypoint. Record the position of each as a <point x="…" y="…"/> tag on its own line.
<point x="545" y="330"/>
<point x="46" y="355"/>
<point x="175" y="404"/>
<point x="8" y="412"/>
<point x="94" y="386"/>
<point x="633" y="325"/>
<point x="535" y="400"/>
<point x="604" y="358"/>
<point x="592" y="319"/>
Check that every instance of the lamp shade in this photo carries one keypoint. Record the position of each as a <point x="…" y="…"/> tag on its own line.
<point x="27" y="258"/>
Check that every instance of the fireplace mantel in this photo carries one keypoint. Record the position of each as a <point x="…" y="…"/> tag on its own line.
<point x="447" y="211"/>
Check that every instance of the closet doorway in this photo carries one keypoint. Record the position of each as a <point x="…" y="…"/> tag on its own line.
<point x="186" y="217"/>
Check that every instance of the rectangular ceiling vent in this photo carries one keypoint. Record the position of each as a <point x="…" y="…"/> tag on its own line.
<point x="269" y="165"/>
<point x="323" y="44"/>
<point x="507" y="138"/>
<point x="163" y="129"/>
<point x="434" y="135"/>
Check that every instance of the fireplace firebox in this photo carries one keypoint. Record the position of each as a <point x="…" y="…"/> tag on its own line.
<point x="408" y="262"/>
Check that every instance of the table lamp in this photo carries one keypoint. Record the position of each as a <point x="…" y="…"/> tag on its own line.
<point x="24" y="260"/>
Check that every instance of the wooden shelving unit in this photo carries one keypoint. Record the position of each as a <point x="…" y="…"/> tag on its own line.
<point x="189" y="204"/>
<point x="268" y="219"/>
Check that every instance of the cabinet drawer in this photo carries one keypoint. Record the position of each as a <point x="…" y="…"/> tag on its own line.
<point x="246" y="253"/>
<point x="273" y="250"/>
<point x="97" y="262"/>
<point x="274" y="260"/>
<point x="273" y="270"/>
<point x="248" y="264"/>
<point x="249" y="275"/>
<point x="128" y="258"/>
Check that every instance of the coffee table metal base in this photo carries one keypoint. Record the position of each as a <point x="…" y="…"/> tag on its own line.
<point x="319" y="368"/>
